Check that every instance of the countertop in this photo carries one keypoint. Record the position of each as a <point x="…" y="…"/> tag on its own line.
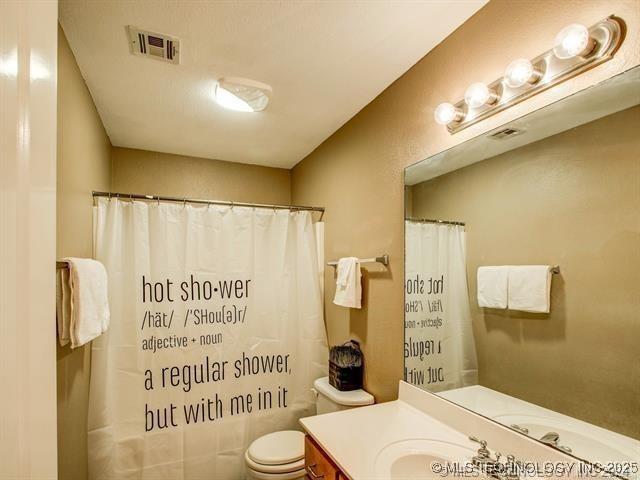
<point x="354" y="438"/>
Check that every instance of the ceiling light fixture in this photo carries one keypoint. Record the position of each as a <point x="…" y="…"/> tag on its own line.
<point x="576" y="49"/>
<point x="242" y="94"/>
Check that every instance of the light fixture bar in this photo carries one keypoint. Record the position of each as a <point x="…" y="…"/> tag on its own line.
<point x="607" y="34"/>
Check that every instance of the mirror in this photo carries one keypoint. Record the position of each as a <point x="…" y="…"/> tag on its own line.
<point x="539" y="222"/>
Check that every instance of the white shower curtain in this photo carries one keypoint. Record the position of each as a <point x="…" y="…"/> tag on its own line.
<point x="440" y="351"/>
<point x="216" y="337"/>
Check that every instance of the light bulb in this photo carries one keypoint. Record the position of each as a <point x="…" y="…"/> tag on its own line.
<point x="573" y="41"/>
<point x="478" y="94"/>
<point x="520" y="72"/>
<point x="445" y="113"/>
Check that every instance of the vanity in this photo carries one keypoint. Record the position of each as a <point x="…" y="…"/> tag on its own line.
<point x="418" y="436"/>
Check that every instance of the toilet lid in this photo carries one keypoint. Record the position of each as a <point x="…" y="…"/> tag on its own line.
<point x="277" y="448"/>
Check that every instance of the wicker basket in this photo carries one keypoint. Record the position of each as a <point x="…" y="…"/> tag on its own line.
<point x="346" y="377"/>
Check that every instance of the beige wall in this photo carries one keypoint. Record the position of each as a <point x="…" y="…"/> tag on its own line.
<point x="153" y="173"/>
<point x="84" y="160"/>
<point x="573" y="200"/>
<point x="357" y="173"/>
<point x="27" y="239"/>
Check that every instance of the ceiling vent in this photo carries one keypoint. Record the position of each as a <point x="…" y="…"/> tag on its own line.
<point x="506" y="133"/>
<point x="154" y="45"/>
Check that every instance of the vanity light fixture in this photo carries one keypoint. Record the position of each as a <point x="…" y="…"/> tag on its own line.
<point x="576" y="49"/>
<point x="478" y="95"/>
<point x="242" y="95"/>
<point x="573" y="41"/>
<point x="445" y="114"/>
<point x="521" y="72"/>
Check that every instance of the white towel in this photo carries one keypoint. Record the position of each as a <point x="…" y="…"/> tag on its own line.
<point x="63" y="305"/>
<point x="492" y="286"/>
<point x="348" y="283"/>
<point x="89" y="300"/>
<point x="530" y="288"/>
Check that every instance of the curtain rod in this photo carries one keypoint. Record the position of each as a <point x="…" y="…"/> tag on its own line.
<point x="429" y="220"/>
<point x="137" y="196"/>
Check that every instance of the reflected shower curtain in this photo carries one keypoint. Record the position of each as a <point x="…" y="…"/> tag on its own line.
<point x="439" y="349"/>
<point x="216" y="336"/>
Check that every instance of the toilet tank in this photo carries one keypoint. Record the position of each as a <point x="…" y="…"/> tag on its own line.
<point x="330" y="399"/>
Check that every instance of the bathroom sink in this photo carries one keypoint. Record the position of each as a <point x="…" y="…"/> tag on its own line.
<point x="419" y="459"/>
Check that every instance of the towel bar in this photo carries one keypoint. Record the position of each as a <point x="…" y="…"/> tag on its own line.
<point x="384" y="259"/>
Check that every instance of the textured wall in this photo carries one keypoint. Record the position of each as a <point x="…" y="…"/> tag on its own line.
<point x="141" y="171"/>
<point x="573" y="200"/>
<point x="357" y="174"/>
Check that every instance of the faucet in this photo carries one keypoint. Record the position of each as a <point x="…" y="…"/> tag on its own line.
<point x="493" y="467"/>
<point x="553" y="439"/>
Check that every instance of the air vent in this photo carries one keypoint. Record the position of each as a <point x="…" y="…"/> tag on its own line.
<point x="505" y="132"/>
<point x="154" y="45"/>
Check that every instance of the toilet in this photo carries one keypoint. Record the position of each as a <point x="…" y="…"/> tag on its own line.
<point x="280" y="455"/>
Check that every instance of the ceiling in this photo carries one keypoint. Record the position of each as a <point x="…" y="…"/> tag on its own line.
<point x="324" y="60"/>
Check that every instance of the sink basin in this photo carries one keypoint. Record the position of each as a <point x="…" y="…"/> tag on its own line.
<point x="419" y="459"/>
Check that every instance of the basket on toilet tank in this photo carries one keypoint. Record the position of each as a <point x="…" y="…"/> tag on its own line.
<point x="345" y="366"/>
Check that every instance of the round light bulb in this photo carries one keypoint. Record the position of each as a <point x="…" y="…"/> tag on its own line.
<point x="573" y="41"/>
<point x="445" y="113"/>
<point x="478" y="94"/>
<point x="520" y="72"/>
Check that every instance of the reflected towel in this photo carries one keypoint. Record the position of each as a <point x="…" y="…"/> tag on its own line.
<point x="348" y="283"/>
<point x="530" y="288"/>
<point x="89" y="300"/>
<point x="492" y="286"/>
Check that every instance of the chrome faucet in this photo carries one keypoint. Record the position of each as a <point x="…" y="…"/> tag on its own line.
<point x="492" y="466"/>
<point x="553" y="439"/>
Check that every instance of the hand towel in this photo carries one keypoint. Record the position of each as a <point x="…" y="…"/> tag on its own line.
<point x="89" y="300"/>
<point x="492" y="286"/>
<point x="530" y="288"/>
<point x="63" y="305"/>
<point x="348" y="283"/>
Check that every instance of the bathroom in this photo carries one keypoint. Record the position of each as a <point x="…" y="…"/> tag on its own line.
<point x="362" y="146"/>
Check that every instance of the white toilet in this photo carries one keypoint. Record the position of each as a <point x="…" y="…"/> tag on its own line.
<point x="280" y="455"/>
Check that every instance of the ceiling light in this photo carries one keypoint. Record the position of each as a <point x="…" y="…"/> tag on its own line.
<point x="242" y="95"/>
<point x="521" y="72"/>
<point x="478" y="94"/>
<point x="573" y="41"/>
<point x="445" y="113"/>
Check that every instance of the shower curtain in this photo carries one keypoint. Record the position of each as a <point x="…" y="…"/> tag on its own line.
<point x="439" y="349"/>
<point x="216" y="336"/>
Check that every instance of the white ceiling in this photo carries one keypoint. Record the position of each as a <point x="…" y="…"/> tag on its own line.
<point x="325" y="60"/>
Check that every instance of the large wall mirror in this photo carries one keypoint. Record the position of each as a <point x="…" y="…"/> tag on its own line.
<point x="522" y="288"/>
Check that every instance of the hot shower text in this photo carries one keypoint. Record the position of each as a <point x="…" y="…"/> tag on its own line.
<point x="193" y="289"/>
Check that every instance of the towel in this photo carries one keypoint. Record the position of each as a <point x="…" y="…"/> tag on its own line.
<point x="63" y="305"/>
<point x="348" y="283"/>
<point x="89" y="300"/>
<point x="492" y="286"/>
<point x="530" y="288"/>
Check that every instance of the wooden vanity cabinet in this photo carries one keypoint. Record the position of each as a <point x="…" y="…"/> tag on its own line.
<point x="317" y="463"/>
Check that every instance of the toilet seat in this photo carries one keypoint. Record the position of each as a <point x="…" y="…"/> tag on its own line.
<point x="278" y="455"/>
<point x="277" y="449"/>
<point x="293" y="467"/>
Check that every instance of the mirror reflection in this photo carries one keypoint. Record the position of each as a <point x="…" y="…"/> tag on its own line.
<point x="522" y="252"/>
